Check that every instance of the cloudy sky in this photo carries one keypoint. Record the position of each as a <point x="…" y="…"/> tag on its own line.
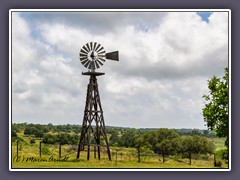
<point x="166" y="59"/>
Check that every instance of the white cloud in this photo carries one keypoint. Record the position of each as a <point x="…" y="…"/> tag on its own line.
<point x="165" y="62"/>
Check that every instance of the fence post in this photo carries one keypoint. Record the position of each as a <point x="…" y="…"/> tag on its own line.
<point x="116" y="155"/>
<point x="40" y="149"/>
<point x="190" y="158"/>
<point x="88" y="153"/>
<point x="163" y="156"/>
<point x="214" y="159"/>
<point x="121" y="154"/>
<point x="17" y="147"/>
<point x="99" y="151"/>
<point x="78" y="151"/>
<point x="60" y="151"/>
<point x="139" y="156"/>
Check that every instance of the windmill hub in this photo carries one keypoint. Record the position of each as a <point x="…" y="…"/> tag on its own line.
<point x="93" y="56"/>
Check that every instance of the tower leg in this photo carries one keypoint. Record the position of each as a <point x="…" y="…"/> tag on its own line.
<point x="109" y="153"/>
<point x="99" y="156"/>
<point x="88" y="153"/>
<point x="82" y="138"/>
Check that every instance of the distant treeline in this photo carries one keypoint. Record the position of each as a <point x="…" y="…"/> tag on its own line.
<point x="118" y="136"/>
<point x="39" y="130"/>
<point x="161" y="141"/>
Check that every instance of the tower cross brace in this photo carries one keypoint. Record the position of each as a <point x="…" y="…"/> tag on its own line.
<point x="93" y="114"/>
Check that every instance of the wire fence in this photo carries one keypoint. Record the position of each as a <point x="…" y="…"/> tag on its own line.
<point x="118" y="154"/>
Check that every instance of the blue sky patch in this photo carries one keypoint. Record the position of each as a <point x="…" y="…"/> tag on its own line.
<point x="204" y="15"/>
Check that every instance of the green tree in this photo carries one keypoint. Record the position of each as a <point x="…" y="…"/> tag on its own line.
<point x="197" y="145"/>
<point x="38" y="133"/>
<point x="29" y="131"/>
<point x="14" y="134"/>
<point x="128" y="138"/>
<point x="154" y="139"/>
<point x="114" y="138"/>
<point x="176" y="144"/>
<point x="165" y="133"/>
<point x="140" y="142"/>
<point x="215" y="112"/>
<point x="196" y="132"/>
<point x="63" y="138"/>
<point x="164" y="147"/>
<point x="49" y="139"/>
<point x="202" y="145"/>
<point x="150" y="138"/>
<point x="162" y="135"/>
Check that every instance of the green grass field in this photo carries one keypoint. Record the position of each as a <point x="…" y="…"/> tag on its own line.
<point x="29" y="157"/>
<point x="111" y="164"/>
<point x="219" y="143"/>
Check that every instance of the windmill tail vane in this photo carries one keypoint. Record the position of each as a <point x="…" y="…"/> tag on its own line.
<point x="112" y="56"/>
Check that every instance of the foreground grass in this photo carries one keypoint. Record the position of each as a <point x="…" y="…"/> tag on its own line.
<point x="111" y="164"/>
<point x="125" y="158"/>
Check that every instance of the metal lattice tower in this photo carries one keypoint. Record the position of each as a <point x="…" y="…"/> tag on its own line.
<point x="92" y="56"/>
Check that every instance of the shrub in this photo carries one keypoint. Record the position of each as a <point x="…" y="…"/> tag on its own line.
<point x="218" y="163"/>
<point x="14" y="134"/>
<point x="222" y="153"/>
<point x="32" y="141"/>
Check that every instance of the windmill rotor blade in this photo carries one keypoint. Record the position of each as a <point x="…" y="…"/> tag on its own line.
<point x="94" y="46"/>
<point x="91" y="46"/>
<point x="98" y="46"/>
<point x="83" y="58"/>
<point x="85" y="48"/>
<point x="112" y="56"/>
<point x="88" y="47"/>
<point x="102" y="56"/>
<point x="96" y="62"/>
<point x="82" y="55"/>
<point x="86" y="65"/>
<point x="99" y="62"/>
<point x="83" y="51"/>
<point x="84" y="61"/>
<point x="90" y="65"/>
<point x="101" y="59"/>
<point x="100" y="49"/>
<point x="103" y="52"/>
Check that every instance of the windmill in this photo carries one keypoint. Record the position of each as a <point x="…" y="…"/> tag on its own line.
<point x="93" y="56"/>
